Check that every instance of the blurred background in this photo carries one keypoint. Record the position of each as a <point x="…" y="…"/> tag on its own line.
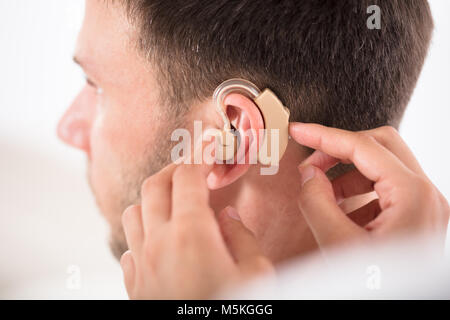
<point x="53" y="239"/>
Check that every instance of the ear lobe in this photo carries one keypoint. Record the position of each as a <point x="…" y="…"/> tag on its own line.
<point x="245" y="116"/>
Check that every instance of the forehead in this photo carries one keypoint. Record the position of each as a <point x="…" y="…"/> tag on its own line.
<point x="105" y="37"/>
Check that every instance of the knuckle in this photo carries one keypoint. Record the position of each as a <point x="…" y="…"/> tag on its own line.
<point x="184" y="214"/>
<point x="180" y="239"/>
<point x="194" y="211"/>
<point x="181" y="229"/>
<point x="388" y="131"/>
<point x="364" y="134"/>
<point x="424" y="189"/>
<point x="362" y="141"/>
<point x="148" y="249"/>
<point x="364" y="138"/>
<point x="190" y="230"/>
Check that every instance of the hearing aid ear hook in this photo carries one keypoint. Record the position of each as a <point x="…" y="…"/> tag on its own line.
<point x="275" y="116"/>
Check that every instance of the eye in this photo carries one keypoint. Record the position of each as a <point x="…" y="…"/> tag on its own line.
<point x="91" y="84"/>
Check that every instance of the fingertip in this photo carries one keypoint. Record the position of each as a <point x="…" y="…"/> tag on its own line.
<point x="132" y="226"/>
<point x="126" y="260"/>
<point x="232" y="213"/>
<point x="307" y="172"/>
<point x="131" y="216"/>
<point x="295" y="128"/>
<point x="314" y="184"/>
<point x="127" y="265"/>
<point x="229" y="220"/>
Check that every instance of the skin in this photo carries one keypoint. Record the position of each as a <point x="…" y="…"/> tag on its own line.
<point x="177" y="247"/>
<point x="112" y="127"/>
<point x="178" y="250"/>
<point x="119" y="121"/>
<point x="407" y="201"/>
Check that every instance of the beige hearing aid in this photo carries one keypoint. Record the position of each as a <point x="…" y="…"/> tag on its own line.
<point x="274" y="113"/>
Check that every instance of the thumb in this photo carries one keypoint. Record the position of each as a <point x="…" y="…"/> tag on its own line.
<point x="317" y="202"/>
<point x="242" y="244"/>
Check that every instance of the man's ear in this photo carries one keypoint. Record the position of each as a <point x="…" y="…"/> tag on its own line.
<point x="246" y="118"/>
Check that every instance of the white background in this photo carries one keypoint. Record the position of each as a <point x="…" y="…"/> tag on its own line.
<point x="48" y="220"/>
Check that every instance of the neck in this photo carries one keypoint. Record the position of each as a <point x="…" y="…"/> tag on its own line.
<point x="268" y="207"/>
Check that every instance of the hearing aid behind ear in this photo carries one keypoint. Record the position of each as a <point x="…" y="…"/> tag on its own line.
<point x="274" y="113"/>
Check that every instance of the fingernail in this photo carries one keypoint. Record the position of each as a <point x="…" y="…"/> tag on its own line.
<point x="232" y="213"/>
<point x="306" y="174"/>
<point x="303" y="164"/>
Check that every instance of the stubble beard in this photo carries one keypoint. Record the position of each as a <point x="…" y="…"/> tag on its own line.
<point x="155" y="157"/>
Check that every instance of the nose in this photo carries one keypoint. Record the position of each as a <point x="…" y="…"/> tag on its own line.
<point x="75" y="125"/>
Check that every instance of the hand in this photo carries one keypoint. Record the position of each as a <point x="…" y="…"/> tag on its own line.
<point x="177" y="248"/>
<point x="407" y="200"/>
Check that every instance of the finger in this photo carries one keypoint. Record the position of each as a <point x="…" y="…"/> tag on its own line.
<point x="190" y="192"/>
<point x="391" y="140"/>
<point x="372" y="159"/>
<point x="132" y="226"/>
<point x="242" y="244"/>
<point x="129" y="271"/>
<point x="320" y="160"/>
<point x="350" y="184"/>
<point x="365" y="214"/>
<point x="347" y="185"/>
<point x="387" y="136"/>
<point x="317" y="203"/>
<point x="156" y="193"/>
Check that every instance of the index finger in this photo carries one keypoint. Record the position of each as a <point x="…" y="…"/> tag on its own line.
<point x="190" y="192"/>
<point x="372" y="159"/>
<point x="156" y="192"/>
<point x="156" y="198"/>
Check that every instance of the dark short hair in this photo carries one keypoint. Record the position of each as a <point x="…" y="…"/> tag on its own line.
<point x="318" y="56"/>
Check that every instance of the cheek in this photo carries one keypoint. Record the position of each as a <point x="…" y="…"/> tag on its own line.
<point x="120" y="135"/>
